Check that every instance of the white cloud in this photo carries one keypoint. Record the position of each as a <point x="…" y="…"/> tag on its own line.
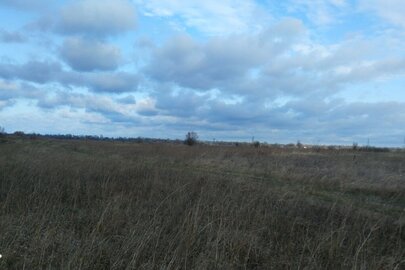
<point x="8" y="86"/>
<point x="338" y="3"/>
<point x="210" y="16"/>
<point x="320" y="12"/>
<point x="390" y="10"/>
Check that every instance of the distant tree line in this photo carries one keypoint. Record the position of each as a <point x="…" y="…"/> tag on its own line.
<point x="92" y="137"/>
<point x="191" y="139"/>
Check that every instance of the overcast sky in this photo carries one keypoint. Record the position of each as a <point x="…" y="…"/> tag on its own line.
<point x="318" y="71"/>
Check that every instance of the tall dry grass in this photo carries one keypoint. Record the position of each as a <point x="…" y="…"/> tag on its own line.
<point x="110" y="205"/>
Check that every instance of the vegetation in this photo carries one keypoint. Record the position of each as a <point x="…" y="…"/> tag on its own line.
<point x="2" y="134"/>
<point x="191" y="138"/>
<point x="83" y="204"/>
<point x="19" y="133"/>
<point x="256" y="144"/>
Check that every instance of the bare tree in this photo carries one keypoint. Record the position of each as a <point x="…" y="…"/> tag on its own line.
<point x="191" y="138"/>
<point x="2" y="131"/>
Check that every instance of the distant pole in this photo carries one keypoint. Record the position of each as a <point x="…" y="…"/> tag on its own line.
<point x="253" y="138"/>
<point x="368" y="142"/>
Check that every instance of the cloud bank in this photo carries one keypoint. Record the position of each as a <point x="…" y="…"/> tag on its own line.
<point x="329" y="71"/>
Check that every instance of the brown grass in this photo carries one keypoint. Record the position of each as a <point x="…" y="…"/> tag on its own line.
<point x="114" y="205"/>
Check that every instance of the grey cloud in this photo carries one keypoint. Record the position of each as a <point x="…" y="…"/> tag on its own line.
<point x="11" y="37"/>
<point x="97" y="18"/>
<point x="278" y="62"/>
<point x="112" y="82"/>
<point x="240" y="114"/>
<point x="90" y="55"/>
<point x="308" y="74"/>
<point x="147" y="112"/>
<point x="52" y="72"/>
<point x="213" y="64"/>
<point x="191" y="65"/>
<point x="310" y="118"/>
<point x="9" y="91"/>
<point x="6" y="103"/>
<point x="266" y="65"/>
<point x="32" y="71"/>
<point x="381" y="113"/>
<point x="75" y="100"/>
<point x="284" y="32"/>
<point x="40" y="72"/>
<point x="24" y="4"/>
<point x="184" y="104"/>
<point x="362" y="72"/>
<point x="107" y="82"/>
<point x="126" y="100"/>
<point x="144" y="43"/>
<point x="104" y="106"/>
<point x="392" y="10"/>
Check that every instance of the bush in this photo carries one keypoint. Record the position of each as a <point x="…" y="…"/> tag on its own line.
<point x="191" y="138"/>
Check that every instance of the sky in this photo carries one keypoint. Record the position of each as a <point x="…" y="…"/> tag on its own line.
<point x="317" y="71"/>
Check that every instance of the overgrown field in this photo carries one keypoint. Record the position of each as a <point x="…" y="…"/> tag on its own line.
<point x="118" y="205"/>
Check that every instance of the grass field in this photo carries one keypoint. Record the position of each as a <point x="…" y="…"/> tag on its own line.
<point x="120" y="205"/>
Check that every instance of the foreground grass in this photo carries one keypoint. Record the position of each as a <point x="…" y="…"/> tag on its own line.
<point x="110" y="205"/>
